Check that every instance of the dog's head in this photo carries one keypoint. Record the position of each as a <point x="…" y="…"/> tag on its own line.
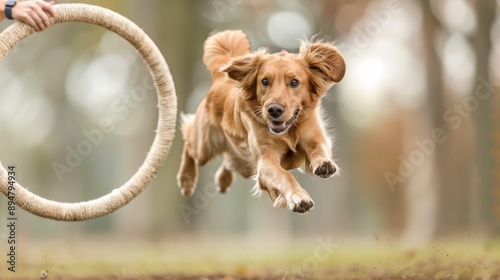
<point x="285" y="85"/>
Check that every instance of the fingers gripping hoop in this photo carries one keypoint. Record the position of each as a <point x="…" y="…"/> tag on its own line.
<point x="167" y="101"/>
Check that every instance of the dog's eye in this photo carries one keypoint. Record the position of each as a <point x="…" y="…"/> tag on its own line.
<point x="294" y="83"/>
<point x="265" y="82"/>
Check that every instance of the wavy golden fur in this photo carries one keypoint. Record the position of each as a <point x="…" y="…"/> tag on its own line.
<point x="262" y="115"/>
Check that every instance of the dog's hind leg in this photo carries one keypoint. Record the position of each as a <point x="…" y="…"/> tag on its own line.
<point x="224" y="178"/>
<point x="187" y="177"/>
<point x="225" y="174"/>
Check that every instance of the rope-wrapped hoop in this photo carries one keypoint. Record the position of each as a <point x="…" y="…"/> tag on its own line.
<point x="167" y="101"/>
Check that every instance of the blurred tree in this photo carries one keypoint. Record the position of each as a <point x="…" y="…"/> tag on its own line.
<point x="484" y="122"/>
<point x="435" y="105"/>
<point x="179" y="33"/>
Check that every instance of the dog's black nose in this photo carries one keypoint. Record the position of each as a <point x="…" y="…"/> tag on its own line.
<point x="275" y="110"/>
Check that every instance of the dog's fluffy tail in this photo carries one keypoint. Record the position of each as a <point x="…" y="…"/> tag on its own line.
<point x="223" y="45"/>
<point x="187" y="121"/>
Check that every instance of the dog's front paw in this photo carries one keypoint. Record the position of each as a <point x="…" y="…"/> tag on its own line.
<point x="300" y="202"/>
<point x="325" y="168"/>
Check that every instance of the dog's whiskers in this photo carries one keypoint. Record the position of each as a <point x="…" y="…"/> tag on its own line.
<point x="297" y="119"/>
<point x="257" y="109"/>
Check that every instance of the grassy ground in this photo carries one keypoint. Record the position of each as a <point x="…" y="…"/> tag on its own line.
<point x="105" y="258"/>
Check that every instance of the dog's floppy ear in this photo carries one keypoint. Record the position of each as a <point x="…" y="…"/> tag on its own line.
<point x="243" y="69"/>
<point x="238" y="68"/>
<point x="326" y="64"/>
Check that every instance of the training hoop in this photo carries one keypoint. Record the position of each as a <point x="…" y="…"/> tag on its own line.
<point x="167" y="104"/>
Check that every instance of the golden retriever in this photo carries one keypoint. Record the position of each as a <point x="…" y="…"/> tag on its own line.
<point x="262" y="114"/>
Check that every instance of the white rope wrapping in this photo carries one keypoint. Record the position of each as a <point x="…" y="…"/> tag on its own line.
<point x="167" y="103"/>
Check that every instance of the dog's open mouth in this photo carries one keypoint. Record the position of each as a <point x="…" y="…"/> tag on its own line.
<point x="279" y="127"/>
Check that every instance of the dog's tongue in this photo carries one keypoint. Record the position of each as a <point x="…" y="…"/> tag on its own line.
<point x="278" y="125"/>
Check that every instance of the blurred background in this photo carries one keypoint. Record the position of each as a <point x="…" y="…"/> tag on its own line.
<point x="415" y="121"/>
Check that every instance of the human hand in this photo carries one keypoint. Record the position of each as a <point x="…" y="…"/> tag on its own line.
<point x="35" y="13"/>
